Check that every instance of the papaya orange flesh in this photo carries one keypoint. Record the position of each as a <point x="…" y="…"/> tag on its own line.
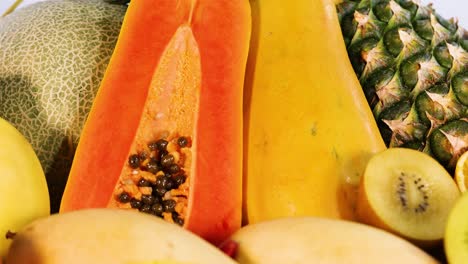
<point x="169" y="109"/>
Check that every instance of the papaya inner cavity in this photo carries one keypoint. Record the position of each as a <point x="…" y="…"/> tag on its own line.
<point x="156" y="176"/>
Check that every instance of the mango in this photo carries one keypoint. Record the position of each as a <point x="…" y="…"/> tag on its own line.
<point x="114" y="236"/>
<point x="305" y="240"/>
<point x="24" y="195"/>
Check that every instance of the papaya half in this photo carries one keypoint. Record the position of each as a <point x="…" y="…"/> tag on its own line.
<point x="309" y="131"/>
<point x="164" y="134"/>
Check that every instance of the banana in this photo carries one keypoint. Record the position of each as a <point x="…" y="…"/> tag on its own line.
<point x="111" y="236"/>
<point x="305" y="240"/>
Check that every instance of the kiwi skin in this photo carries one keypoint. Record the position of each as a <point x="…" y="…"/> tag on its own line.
<point x="366" y="214"/>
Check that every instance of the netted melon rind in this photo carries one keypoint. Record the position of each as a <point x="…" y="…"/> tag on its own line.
<point x="53" y="56"/>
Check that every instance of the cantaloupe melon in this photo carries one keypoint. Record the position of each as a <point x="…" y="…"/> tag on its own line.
<point x="53" y="55"/>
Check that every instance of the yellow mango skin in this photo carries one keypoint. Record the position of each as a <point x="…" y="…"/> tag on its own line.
<point x="308" y="128"/>
<point x="110" y="236"/>
<point x="24" y="195"/>
<point x="313" y="240"/>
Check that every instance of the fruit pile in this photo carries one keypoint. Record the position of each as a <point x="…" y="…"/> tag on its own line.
<point x="179" y="132"/>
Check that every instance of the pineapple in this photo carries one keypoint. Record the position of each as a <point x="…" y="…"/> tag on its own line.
<point x="413" y="67"/>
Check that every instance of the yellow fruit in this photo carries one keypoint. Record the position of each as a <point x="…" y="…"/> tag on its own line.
<point x="461" y="172"/>
<point x="23" y="189"/>
<point x="111" y="236"/>
<point x="306" y="240"/>
<point x="456" y="232"/>
<point x="159" y="262"/>
<point x="308" y="128"/>
<point x="409" y="193"/>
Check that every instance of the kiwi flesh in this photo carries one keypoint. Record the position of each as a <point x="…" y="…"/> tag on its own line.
<point x="456" y="232"/>
<point x="408" y="193"/>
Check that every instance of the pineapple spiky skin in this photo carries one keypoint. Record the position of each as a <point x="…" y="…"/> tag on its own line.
<point x="413" y="67"/>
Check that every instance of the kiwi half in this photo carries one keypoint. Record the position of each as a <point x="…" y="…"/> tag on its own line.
<point x="456" y="233"/>
<point x="408" y="193"/>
